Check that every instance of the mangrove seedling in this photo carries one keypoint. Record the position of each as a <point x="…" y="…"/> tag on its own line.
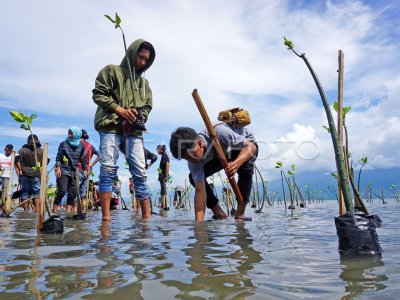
<point x="363" y="161"/>
<point x="280" y="167"/>
<point x="339" y="157"/>
<point x="139" y="123"/>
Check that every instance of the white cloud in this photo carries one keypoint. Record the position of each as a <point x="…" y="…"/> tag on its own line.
<point x="231" y="51"/>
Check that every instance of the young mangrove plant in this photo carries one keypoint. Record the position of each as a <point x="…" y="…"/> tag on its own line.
<point x="395" y="191"/>
<point x="26" y="122"/>
<point x="335" y="140"/>
<point x="355" y="237"/>
<point x="280" y="167"/>
<point x="139" y="123"/>
<point x="291" y="173"/>
<point x="363" y="162"/>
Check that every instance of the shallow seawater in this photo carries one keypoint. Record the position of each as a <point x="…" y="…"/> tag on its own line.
<point x="278" y="255"/>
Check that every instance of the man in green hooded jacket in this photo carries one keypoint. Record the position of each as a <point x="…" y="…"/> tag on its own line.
<point x="121" y="107"/>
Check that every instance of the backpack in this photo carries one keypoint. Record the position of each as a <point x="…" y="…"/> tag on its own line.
<point x="237" y="117"/>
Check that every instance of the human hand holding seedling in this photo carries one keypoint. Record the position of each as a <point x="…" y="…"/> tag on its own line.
<point x="128" y="114"/>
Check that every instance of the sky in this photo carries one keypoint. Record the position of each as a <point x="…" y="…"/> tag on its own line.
<point x="232" y="52"/>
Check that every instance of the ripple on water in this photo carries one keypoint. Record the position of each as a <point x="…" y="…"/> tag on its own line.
<point x="279" y="255"/>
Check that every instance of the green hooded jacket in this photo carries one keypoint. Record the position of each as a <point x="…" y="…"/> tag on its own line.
<point x="113" y="88"/>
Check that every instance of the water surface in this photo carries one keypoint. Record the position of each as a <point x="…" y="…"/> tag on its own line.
<point x="279" y="255"/>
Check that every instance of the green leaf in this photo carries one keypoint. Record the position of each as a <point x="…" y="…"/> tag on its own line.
<point x="278" y="164"/>
<point x="288" y="43"/>
<point x="326" y="128"/>
<point x="336" y="106"/>
<point x="33" y="116"/>
<point x="17" y="116"/>
<point x="334" y="175"/>
<point x="290" y="173"/>
<point x="346" y="109"/>
<point x="364" y="160"/>
<point x="108" y="17"/>
<point x="117" y="20"/>
<point x="51" y="192"/>
<point x="23" y="126"/>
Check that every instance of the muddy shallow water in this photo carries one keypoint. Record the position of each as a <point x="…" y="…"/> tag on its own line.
<point x="278" y="255"/>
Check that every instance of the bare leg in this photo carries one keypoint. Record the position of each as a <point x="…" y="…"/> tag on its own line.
<point x="146" y="208"/>
<point x="56" y="207"/>
<point x="36" y="204"/>
<point x="105" y="199"/>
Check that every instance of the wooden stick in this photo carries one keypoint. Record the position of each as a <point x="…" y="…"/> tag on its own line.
<point x="8" y="204"/>
<point x="342" y="208"/>
<point x="43" y="187"/>
<point x="213" y="136"/>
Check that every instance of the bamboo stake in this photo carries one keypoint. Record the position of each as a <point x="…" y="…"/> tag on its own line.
<point x="8" y="204"/>
<point x="342" y="208"/>
<point x="218" y="148"/>
<point x="43" y="187"/>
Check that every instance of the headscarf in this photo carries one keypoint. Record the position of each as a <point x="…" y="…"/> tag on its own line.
<point x="76" y="131"/>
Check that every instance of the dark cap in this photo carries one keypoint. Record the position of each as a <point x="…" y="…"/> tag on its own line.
<point x="84" y="135"/>
<point x="35" y="137"/>
<point x="9" y="146"/>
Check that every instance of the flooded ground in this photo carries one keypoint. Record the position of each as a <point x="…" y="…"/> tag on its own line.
<point x="276" y="256"/>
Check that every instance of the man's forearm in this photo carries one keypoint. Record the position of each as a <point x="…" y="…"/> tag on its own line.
<point x="200" y="198"/>
<point x="246" y="154"/>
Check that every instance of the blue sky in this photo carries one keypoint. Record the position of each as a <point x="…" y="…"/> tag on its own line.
<point x="231" y="51"/>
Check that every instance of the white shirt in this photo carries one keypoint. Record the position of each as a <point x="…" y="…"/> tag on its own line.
<point x="5" y="163"/>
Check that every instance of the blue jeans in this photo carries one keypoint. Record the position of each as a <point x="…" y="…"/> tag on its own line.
<point x="83" y="184"/>
<point x="132" y="148"/>
<point x="30" y="186"/>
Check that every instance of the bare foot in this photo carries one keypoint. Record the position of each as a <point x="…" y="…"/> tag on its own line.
<point x="106" y="218"/>
<point x="218" y="212"/>
<point x="241" y="207"/>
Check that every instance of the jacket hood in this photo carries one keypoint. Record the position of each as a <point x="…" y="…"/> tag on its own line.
<point x="132" y="53"/>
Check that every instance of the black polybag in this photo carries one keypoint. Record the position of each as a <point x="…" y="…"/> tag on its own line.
<point x="357" y="234"/>
<point x="53" y="225"/>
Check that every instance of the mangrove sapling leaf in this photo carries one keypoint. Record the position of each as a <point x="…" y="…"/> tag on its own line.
<point x="346" y="109"/>
<point x="51" y="192"/>
<point x="334" y="175"/>
<point x="17" y="116"/>
<point x="288" y="43"/>
<point x="339" y="156"/>
<point x="26" y="125"/>
<point x="326" y="128"/>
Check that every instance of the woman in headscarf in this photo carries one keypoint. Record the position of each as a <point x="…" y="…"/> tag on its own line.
<point x="70" y="153"/>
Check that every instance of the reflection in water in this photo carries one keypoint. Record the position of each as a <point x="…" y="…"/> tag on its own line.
<point x="273" y="257"/>
<point x="221" y="271"/>
<point x="361" y="275"/>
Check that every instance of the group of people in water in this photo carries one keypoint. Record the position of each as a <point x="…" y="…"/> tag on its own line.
<point x="124" y="101"/>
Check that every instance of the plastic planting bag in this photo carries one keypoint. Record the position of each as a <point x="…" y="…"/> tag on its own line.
<point x="357" y="234"/>
<point x="53" y="225"/>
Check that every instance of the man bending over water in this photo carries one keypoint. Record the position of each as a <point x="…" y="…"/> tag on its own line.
<point x="241" y="151"/>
